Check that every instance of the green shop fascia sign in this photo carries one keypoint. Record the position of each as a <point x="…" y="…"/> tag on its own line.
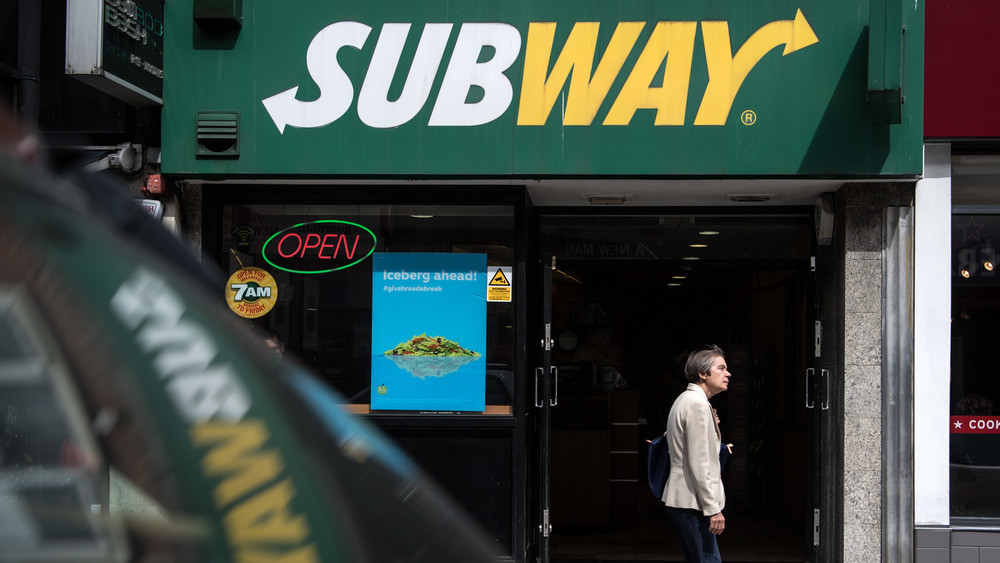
<point x="546" y="89"/>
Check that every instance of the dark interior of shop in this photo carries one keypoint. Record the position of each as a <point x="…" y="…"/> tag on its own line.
<point x="974" y="457"/>
<point x="622" y="327"/>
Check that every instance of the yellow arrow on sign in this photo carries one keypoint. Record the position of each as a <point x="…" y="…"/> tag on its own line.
<point x="726" y="72"/>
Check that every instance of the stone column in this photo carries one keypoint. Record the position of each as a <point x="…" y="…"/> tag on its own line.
<point x="861" y="207"/>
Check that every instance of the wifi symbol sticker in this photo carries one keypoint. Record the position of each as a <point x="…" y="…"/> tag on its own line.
<point x="243" y="235"/>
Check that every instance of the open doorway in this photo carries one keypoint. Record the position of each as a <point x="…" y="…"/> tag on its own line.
<point x="630" y="296"/>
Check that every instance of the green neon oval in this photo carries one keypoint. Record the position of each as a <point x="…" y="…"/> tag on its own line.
<point x="263" y="250"/>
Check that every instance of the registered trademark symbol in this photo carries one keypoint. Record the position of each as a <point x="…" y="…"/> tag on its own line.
<point x="748" y="117"/>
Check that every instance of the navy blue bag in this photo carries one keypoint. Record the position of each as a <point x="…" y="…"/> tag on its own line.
<point x="658" y="465"/>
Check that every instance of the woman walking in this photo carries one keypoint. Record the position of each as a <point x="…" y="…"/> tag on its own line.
<point x="694" y="494"/>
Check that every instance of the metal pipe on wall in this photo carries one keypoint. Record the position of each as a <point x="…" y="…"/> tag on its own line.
<point x="28" y="79"/>
<point x="897" y="386"/>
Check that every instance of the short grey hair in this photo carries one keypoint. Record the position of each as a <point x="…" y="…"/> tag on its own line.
<point x="700" y="362"/>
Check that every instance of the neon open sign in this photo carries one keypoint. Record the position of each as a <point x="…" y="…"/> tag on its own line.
<point x="319" y="247"/>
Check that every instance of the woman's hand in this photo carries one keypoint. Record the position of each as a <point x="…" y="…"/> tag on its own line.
<point x="716" y="523"/>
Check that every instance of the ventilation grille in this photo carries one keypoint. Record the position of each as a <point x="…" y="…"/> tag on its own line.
<point x="218" y="134"/>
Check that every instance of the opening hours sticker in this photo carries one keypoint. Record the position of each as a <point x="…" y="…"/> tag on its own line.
<point x="251" y="292"/>
<point x="498" y="287"/>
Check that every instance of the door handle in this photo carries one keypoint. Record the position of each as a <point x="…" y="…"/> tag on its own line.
<point x="810" y="402"/>
<point x="555" y="395"/>
<point x="538" y="403"/>
<point x="825" y="403"/>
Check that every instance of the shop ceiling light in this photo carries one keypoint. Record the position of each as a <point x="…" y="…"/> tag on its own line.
<point x="606" y="199"/>
<point x="708" y="233"/>
<point x="988" y="266"/>
<point x="698" y="245"/>
<point x="749" y="198"/>
<point x="965" y="273"/>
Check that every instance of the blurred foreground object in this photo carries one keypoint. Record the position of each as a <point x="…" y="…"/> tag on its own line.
<point x="117" y="354"/>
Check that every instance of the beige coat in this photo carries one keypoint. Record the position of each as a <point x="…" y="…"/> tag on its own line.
<point x="694" y="439"/>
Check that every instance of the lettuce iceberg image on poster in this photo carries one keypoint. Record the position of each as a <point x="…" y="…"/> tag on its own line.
<point x="430" y="356"/>
<point x="428" y="332"/>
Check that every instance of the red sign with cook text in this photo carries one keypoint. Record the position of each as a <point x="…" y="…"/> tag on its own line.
<point x="975" y="425"/>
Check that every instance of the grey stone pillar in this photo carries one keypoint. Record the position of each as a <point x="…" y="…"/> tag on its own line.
<point x="861" y="208"/>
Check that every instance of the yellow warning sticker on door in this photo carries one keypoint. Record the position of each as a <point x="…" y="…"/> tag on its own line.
<point x="498" y="288"/>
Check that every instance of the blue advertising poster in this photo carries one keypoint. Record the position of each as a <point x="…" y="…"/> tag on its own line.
<point x="428" y="332"/>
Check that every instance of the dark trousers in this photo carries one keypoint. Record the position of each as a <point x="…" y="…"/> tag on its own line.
<point x="697" y="542"/>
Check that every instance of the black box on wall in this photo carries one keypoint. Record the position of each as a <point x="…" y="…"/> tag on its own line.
<point x="216" y="14"/>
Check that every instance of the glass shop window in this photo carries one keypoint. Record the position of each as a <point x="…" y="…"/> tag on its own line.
<point x="975" y="389"/>
<point x="324" y="258"/>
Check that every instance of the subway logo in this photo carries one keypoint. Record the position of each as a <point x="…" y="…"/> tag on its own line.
<point x="590" y="74"/>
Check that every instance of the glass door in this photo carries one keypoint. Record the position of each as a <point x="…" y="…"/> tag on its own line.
<point x="817" y="407"/>
<point x="546" y="397"/>
<point x="631" y="293"/>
